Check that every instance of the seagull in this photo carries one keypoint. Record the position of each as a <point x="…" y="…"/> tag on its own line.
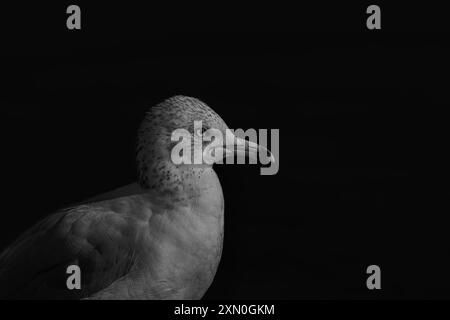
<point x="158" y="238"/>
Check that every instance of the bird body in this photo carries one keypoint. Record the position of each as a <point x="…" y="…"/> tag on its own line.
<point x="138" y="246"/>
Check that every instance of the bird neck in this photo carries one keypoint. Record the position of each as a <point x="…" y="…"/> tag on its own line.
<point x="196" y="186"/>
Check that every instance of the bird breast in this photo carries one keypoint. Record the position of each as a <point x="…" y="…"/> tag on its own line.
<point x="184" y="243"/>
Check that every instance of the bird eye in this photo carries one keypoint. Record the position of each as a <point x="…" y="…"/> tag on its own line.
<point x="199" y="132"/>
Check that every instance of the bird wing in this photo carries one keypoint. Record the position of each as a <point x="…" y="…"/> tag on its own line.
<point x="100" y="240"/>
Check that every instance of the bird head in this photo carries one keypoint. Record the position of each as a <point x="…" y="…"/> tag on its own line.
<point x="184" y="131"/>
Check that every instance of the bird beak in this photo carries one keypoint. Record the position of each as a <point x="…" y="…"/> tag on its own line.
<point x="244" y="148"/>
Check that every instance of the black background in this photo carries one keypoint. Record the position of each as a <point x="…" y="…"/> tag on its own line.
<point x="363" y="136"/>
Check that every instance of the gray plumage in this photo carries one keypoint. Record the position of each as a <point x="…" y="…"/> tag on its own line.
<point x="159" y="238"/>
